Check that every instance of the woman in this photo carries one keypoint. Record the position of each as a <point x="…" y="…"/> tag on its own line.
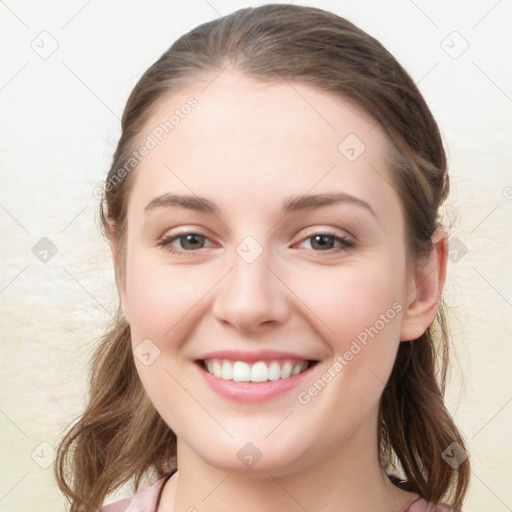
<point x="272" y="209"/>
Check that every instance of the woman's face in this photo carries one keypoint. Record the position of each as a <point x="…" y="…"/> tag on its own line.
<point x="295" y="262"/>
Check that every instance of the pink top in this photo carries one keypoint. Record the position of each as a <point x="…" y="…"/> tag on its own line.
<point x="144" y="500"/>
<point x="147" y="499"/>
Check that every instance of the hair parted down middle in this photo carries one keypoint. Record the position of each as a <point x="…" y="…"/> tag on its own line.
<point x="120" y="437"/>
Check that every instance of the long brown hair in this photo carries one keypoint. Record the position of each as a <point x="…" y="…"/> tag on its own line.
<point x="120" y="437"/>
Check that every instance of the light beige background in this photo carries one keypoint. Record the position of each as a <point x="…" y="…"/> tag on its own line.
<point x="60" y="124"/>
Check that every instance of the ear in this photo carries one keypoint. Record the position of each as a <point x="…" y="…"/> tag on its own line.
<point x="114" y="248"/>
<point x="425" y="289"/>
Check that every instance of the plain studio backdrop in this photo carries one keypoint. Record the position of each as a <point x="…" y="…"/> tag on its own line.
<point x="67" y="69"/>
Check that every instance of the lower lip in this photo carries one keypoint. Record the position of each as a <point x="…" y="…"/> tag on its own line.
<point x="252" y="391"/>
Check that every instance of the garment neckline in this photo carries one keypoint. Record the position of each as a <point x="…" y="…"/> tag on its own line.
<point x="415" y="500"/>
<point x="161" y="490"/>
<point x="166" y="479"/>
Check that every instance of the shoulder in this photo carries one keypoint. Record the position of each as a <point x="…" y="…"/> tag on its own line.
<point x="144" y="500"/>
<point x="420" y="505"/>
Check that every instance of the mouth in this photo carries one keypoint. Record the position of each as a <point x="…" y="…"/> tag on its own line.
<point x="255" y="372"/>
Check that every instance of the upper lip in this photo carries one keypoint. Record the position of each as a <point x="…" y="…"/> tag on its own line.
<point x="253" y="356"/>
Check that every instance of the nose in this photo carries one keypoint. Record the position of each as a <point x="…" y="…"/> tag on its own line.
<point x="251" y="296"/>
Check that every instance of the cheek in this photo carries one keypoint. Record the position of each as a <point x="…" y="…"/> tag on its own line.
<point x="353" y="299"/>
<point x="163" y="303"/>
<point x="161" y="296"/>
<point x="361" y="309"/>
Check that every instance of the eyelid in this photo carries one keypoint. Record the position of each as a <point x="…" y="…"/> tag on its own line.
<point x="187" y="230"/>
<point x="171" y="236"/>
<point x="313" y="230"/>
<point x="335" y="232"/>
<point x="346" y="242"/>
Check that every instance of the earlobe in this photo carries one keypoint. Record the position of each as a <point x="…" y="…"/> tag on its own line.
<point x="426" y="287"/>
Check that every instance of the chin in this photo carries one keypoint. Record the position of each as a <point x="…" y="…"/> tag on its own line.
<point x="256" y="457"/>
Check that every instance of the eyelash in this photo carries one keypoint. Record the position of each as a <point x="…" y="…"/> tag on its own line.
<point x="165" y="242"/>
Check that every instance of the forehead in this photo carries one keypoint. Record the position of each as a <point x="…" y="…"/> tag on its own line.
<point x="244" y="106"/>
<point x="243" y="140"/>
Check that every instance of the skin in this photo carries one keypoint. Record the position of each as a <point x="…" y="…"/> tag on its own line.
<point x="248" y="146"/>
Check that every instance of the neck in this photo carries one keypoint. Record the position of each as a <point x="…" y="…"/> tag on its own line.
<point x="348" y="479"/>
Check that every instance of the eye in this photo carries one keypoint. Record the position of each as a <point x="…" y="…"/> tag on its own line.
<point x="189" y="242"/>
<point x="325" y="241"/>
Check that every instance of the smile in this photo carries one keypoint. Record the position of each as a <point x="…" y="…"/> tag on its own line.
<point x="259" y="371"/>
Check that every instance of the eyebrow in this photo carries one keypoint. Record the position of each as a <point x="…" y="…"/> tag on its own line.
<point x="291" y="204"/>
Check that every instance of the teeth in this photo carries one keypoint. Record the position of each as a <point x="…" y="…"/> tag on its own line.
<point x="240" y="371"/>
<point x="286" y="369"/>
<point x="296" y="370"/>
<point x="227" y="371"/>
<point x="259" y="372"/>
